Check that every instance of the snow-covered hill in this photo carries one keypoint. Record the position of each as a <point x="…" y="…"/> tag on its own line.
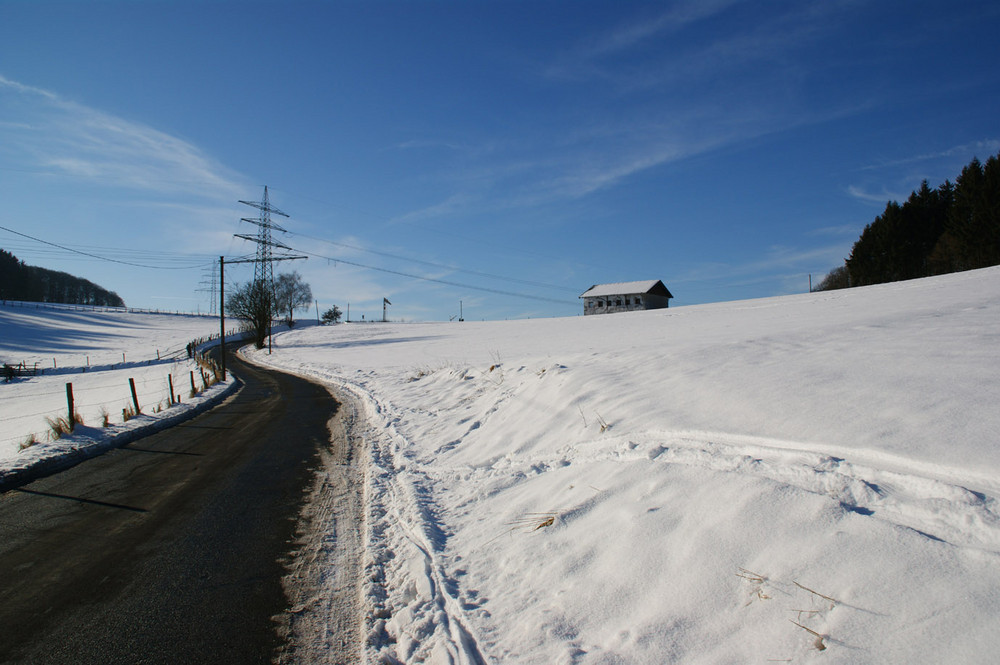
<point x="808" y="478"/>
<point x="803" y="479"/>
<point x="97" y="352"/>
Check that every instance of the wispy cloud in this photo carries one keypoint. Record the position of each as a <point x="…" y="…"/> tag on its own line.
<point x="583" y="60"/>
<point x="634" y="33"/>
<point x="779" y="261"/>
<point x="983" y="148"/>
<point x="59" y="136"/>
<point x="881" y="197"/>
<point x="835" y="231"/>
<point x="430" y="144"/>
<point x="450" y="206"/>
<point x="684" y="93"/>
<point x="25" y="89"/>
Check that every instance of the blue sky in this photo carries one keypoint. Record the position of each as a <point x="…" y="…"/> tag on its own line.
<point x="510" y="153"/>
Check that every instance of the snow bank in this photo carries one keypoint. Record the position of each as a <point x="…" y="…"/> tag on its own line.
<point x="47" y="457"/>
<point x="808" y="478"/>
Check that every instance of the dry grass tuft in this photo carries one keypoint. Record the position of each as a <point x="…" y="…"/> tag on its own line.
<point x="757" y="580"/>
<point x="816" y="593"/>
<point x="28" y="442"/>
<point x="61" y="426"/>
<point x="603" y="423"/>
<point x="533" y="521"/>
<point x="530" y="522"/>
<point x="819" y="638"/>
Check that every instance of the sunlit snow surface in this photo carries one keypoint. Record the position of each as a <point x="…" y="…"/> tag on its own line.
<point x="97" y="352"/>
<point x="736" y="482"/>
<point x="728" y="483"/>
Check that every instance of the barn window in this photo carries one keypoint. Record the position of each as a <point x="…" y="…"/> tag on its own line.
<point x="618" y="302"/>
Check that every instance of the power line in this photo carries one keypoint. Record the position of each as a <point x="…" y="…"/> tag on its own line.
<point x="432" y="264"/>
<point x="428" y="229"/>
<point x="336" y="260"/>
<point x="96" y="256"/>
<point x="436" y="280"/>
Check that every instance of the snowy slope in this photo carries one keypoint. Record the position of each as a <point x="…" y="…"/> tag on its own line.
<point x="804" y="479"/>
<point x="97" y="352"/>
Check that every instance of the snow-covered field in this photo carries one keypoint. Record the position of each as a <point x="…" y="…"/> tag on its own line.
<point x="97" y="352"/>
<point x="803" y="479"/>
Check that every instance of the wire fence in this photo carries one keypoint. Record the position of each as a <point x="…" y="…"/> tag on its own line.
<point x="173" y="376"/>
<point x="99" y="308"/>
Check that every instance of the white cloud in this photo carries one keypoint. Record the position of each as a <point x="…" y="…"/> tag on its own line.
<point x="64" y="137"/>
<point x="882" y="197"/>
<point x="983" y="148"/>
<point x="451" y="205"/>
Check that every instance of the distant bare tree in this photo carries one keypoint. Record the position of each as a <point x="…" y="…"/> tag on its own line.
<point x="291" y="292"/>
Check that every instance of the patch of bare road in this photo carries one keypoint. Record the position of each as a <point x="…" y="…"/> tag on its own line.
<point x="232" y="538"/>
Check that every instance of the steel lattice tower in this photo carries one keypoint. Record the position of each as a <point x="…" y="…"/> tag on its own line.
<point x="263" y="270"/>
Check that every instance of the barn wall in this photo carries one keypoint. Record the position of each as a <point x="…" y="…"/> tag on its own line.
<point x="647" y="301"/>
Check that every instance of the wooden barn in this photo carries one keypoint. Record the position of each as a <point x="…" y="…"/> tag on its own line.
<point x="625" y="297"/>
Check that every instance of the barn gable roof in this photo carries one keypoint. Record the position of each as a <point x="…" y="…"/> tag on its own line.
<point x="653" y="286"/>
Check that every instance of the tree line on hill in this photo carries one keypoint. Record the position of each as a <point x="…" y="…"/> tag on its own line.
<point x="19" y="281"/>
<point x="936" y="231"/>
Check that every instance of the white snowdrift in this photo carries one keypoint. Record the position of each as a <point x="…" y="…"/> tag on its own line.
<point x="805" y="479"/>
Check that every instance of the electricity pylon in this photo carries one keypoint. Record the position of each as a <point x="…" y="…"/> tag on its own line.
<point x="263" y="270"/>
<point x="209" y="285"/>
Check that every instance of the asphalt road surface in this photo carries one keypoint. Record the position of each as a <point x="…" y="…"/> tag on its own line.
<point x="168" y="550"/>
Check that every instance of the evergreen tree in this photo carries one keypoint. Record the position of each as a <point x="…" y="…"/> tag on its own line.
<point x="936" y="231"/>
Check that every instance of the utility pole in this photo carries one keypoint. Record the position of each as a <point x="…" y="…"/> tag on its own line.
<point x="222" y="313"/>
<point x="385" y="301"/>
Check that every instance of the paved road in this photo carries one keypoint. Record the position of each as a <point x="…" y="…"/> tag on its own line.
<point x="167" y="550"/>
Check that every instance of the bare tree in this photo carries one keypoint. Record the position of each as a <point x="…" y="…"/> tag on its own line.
<point x="253" y="303"/>
<point x="291" y="292"/>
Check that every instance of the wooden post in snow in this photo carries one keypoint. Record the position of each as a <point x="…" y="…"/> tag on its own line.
<point x="69" y="404"/>
<point x="135" y="399"/>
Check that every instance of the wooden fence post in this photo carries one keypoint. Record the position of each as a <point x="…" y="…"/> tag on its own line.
<point x="170" y="382"/>
<point x="69" y="404"/>
<point x="135" y="400"/>
<point x="193" y="391"/>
